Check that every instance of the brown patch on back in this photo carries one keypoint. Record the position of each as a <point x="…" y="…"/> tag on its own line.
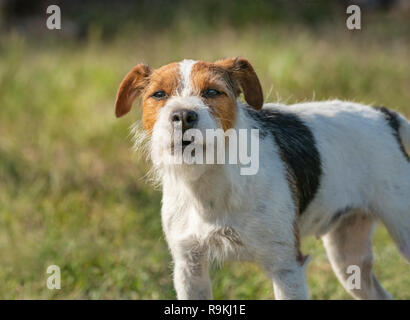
<point x="165" y="78"/>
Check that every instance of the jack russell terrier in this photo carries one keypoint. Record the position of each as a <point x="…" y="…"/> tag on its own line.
<point x="329" y="169"/>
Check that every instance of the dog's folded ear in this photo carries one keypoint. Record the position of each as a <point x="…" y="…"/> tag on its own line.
<point x="243" y="73"/>
<point x="131" y="87"/>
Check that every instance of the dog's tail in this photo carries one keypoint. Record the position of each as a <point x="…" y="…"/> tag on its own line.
<point x="404" y="132"/>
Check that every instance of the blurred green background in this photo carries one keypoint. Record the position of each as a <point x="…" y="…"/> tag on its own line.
<point x="73" y="194"/>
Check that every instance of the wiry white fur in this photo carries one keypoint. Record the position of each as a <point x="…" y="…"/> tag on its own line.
<point x="212" y="212"/>
<point x="185" y="68"/>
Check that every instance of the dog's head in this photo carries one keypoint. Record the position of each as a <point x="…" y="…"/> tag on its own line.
<point x="189" y="95"/>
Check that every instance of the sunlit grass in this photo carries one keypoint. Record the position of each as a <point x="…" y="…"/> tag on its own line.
<point x="72" y="192"/>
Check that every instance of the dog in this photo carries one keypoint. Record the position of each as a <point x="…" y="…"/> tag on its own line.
<point x="330" y="169"/>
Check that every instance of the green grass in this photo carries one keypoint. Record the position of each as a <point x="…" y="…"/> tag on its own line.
<point x="73" y="194"/>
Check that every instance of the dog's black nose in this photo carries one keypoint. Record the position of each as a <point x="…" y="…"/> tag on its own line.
<point x="187" y="118"/>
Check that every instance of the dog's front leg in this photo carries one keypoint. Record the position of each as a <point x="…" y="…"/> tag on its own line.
<point x="191" y="271"/>
<point x="290" y="284"/>
<point x="287" y="272"/>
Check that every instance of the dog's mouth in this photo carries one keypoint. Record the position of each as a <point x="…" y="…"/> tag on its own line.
<point x="184" y="144"/>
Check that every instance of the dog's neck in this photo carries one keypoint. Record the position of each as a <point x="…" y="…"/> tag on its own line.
<point x="213" y="190"/>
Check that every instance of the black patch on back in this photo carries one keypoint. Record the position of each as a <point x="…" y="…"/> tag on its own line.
<point x="392" y="119"/>
<point x="298" y="150"/>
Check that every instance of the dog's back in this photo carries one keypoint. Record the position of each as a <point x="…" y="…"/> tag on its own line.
<point x="363" y="154"/>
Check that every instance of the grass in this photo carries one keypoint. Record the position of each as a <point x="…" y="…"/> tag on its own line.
<point x="72" y="193"/>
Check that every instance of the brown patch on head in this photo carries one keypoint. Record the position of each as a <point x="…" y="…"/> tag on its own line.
<point x="130" y="88"/>
<point x="164" y="79"/>
<point x="227" y="77"/>
<point x="243" y="73"/>
<point x="205" y="76"/>
<point x="143" y="81"/>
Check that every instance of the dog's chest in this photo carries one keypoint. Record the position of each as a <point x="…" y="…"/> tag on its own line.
<point x="215" y="235"/>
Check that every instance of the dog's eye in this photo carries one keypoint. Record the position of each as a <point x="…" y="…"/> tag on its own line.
<point x="210" y="93"/>
<point x="159" y="95"/>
